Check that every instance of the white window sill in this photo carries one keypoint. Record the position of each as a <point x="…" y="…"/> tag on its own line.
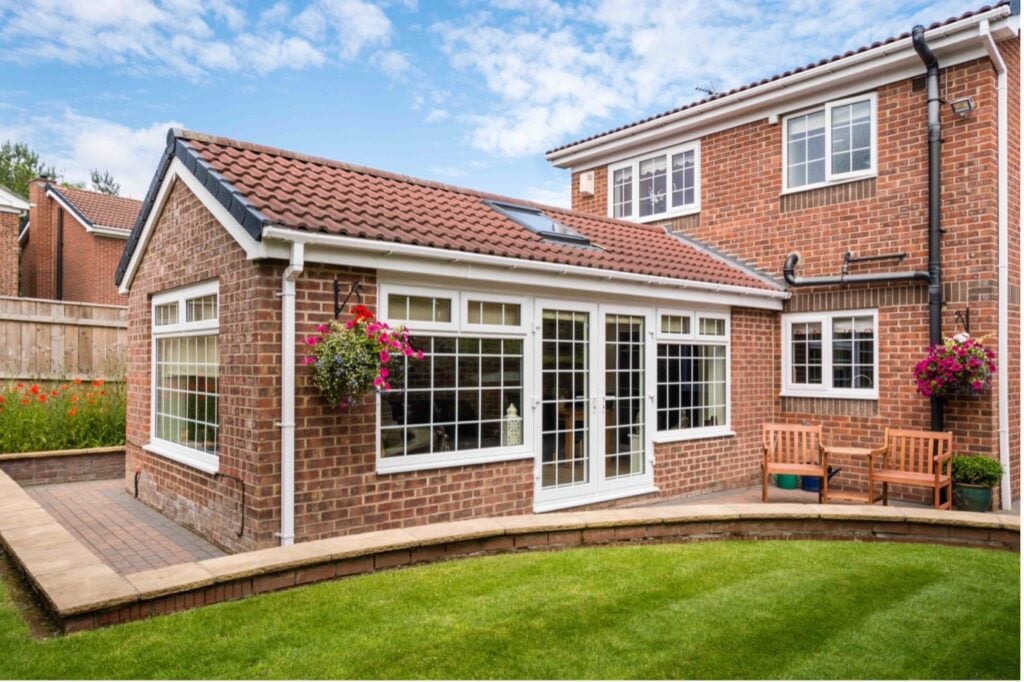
<point x="644" y="220"/>
<point x="197" y="460"/>
<point x="541" y="507"/>
<point x="832" y="183"/>
<point x="830" y="395"/>
<point x="681" y="435"/>
<point x="397" y="465"/>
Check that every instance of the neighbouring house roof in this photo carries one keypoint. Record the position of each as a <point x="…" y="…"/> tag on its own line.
<point x="266" y="187"/>
<point x="1014" y="5"/>
<point x="98" y="209"/>
<point x="9" y="201"/>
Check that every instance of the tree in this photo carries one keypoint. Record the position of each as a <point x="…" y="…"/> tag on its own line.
<point x="104" y="182"/>
<point x="20" y="165"/>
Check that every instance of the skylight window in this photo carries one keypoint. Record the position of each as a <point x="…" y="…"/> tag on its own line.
<point x="536" y="221"/>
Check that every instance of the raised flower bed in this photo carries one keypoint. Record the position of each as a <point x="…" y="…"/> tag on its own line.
<point x="58" y="432"/>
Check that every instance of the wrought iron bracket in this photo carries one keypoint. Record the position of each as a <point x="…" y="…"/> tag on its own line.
<point x="354" y="288"/>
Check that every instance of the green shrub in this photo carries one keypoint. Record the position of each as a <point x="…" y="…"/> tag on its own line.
<point x="62" y="416"/>
<point x="976" y="470"/>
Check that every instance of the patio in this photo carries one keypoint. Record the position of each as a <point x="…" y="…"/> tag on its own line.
<point x="126" y="534"/>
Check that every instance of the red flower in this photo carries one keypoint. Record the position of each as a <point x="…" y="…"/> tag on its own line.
<point x="97" y="382"/>
<point x="77" y="381"/>
<point x="34" y="389"/>
<point x="361" y="313"/>
<point x="73" y="411"/>
<point x="42" y="398"/>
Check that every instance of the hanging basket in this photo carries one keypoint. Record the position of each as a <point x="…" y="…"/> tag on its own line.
<point x="960" y="367"/>
<point x="357" y="358"/>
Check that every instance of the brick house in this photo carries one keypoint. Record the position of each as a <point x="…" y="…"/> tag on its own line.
<point x="831" y="162"/>
<point x="640" y="361"/>
<point x="72" y="243"/>
<point x="12" y="208"/>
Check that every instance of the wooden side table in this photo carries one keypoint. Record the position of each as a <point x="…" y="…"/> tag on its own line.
<point x="867" y="453"/>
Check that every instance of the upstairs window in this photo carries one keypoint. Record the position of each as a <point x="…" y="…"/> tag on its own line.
<point x="658" y="185"/>
<point x="832" y="143"/>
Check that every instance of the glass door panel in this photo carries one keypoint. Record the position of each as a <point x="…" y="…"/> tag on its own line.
<point x="565" y="392"/>
<point x="624" y="396"/>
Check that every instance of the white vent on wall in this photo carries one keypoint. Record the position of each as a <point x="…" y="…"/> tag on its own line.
<point x="587" y="183"/>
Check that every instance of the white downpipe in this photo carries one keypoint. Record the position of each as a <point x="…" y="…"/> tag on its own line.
<point x="291" y="273"/>
<point x="1002" y="116"/>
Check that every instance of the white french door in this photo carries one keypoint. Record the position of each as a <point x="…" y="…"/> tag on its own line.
<point x="594" y="396"/>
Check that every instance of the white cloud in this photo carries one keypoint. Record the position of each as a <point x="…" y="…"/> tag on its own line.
<point x="437" y="115"/>
<point x="557" y="71"/>
<point x="193" y="38"/>
<point x="76" y="144"/>
<point x="392" y="63"/>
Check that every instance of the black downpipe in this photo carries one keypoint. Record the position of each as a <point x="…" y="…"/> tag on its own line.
<point x="934" y="205"/>
<point x="59" y="293"/>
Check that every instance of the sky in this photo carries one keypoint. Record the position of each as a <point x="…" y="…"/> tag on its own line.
<point x="465" y="92"/>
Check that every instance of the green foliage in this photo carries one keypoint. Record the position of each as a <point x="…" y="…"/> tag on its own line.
<point x="72" y="415"/>
<point x="104" y="182"/>
<point x="20" y="165"/>
<point x="976" y="470"/>
<point x="724" y="610"/>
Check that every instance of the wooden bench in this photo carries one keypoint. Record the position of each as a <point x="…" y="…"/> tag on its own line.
<point x="915" y="458"/>
<point x="793" y="449"/>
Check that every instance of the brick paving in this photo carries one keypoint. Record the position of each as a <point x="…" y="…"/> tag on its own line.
<point x="126" y="534"/>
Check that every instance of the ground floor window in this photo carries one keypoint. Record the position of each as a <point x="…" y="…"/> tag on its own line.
<point x="186" y="372"/>
<point x="457" y="398"/>
<point x="832" y="354"/>
<point x="693" y="367"/>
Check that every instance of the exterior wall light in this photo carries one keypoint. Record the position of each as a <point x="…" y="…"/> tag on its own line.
<point x="962" y="107"/>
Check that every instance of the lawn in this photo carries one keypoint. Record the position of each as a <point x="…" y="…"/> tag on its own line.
<point x="715" y="610"/>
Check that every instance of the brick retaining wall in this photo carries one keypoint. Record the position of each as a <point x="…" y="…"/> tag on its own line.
<point x="64" y="466"/>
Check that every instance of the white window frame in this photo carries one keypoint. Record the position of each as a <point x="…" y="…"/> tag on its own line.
<point x="420" y="292"/>
<point x="457" y="329"/>
<point x="693" y="338"/>
<point x="204" y="461"/>
<point x="634" y="163"/>
<point x="825" y="389"/>
<point x="830" y="177"/>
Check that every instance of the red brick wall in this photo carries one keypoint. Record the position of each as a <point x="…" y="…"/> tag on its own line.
<point x="742" y="213"/>
<point x="338" y="490"/>
<point x="89" y="260"/>
<point x="37" y="256"/>
<point x="9" y="254"/>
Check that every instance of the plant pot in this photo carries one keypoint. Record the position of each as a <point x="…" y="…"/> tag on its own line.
<point x="786" y="481"/>
<point x="975" y="498"/>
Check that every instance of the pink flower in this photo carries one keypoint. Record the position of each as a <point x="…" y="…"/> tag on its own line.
<point x="312" y="340"/>
<point x="384" y="357"/>
<point x="322" y="328"/>
<point x="384" y="373"/>
<point x="309" y="360"/>
<point x="419" y="355"/>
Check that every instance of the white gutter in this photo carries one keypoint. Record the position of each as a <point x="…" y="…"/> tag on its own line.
<point x="291" y="273"/>
<point x="448" y="256"/>
<point x="1003" y="302"/>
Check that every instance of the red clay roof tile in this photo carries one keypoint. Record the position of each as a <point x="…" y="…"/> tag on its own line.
<point x="102" y="209"/>
<point x="299" y="192"/>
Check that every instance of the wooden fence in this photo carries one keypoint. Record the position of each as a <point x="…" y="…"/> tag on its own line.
<point x="54" y="340"/>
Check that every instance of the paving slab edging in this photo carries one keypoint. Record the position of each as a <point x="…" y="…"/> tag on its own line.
<point x="81" y="592"/>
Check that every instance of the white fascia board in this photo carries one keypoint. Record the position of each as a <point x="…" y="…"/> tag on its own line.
<point x="107" y="231"/>
<point x="954" y="44"/>
<point x="11" y="202"/>
<point x="457" y="265"/>
<point x="177" y="170"/>
<point x="23" y="235"/>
